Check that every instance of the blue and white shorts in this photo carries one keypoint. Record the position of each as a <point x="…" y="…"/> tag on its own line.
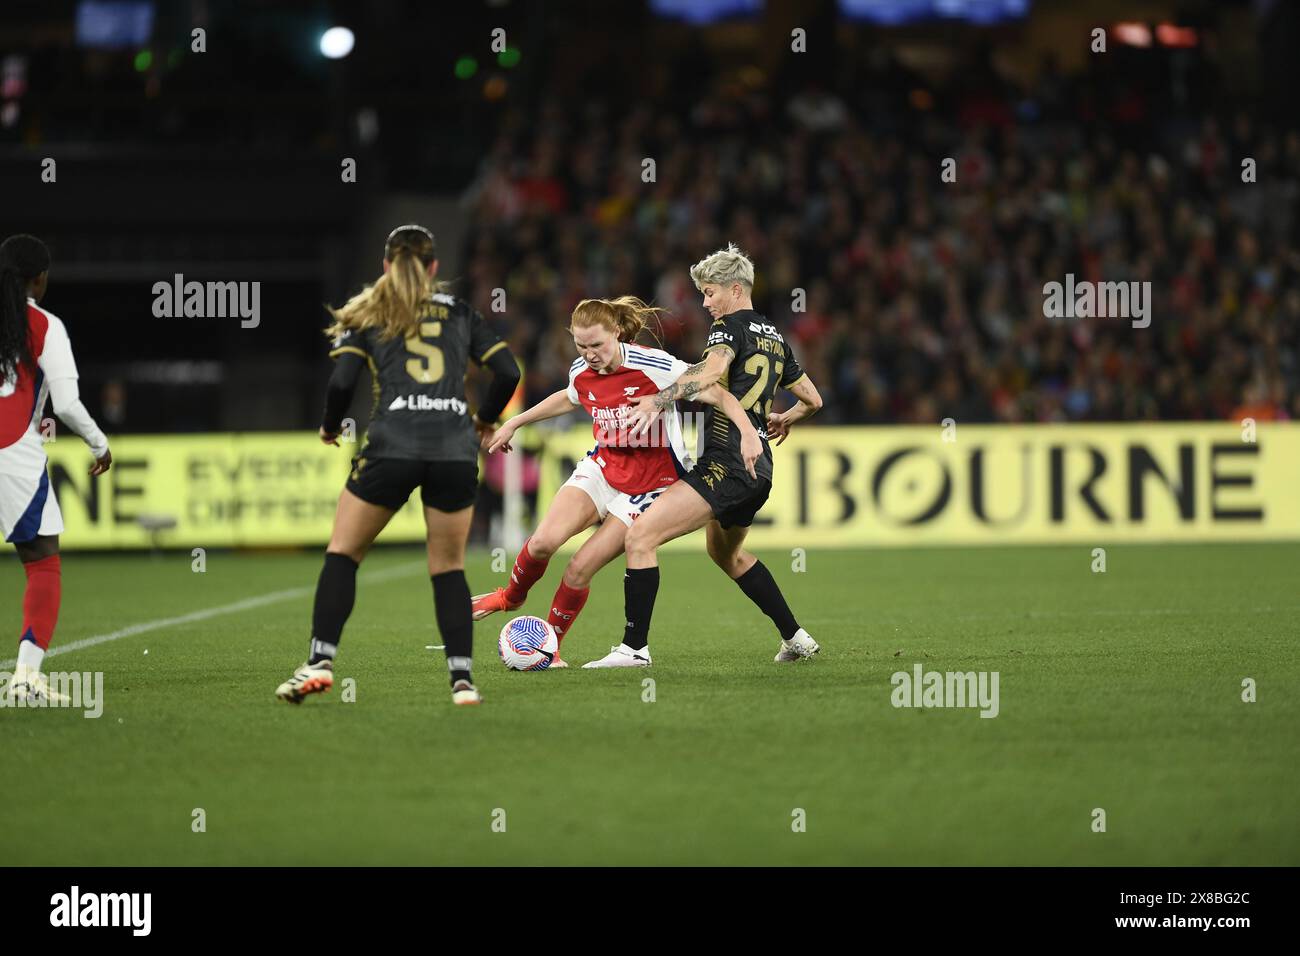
<point x="28" y="507"/>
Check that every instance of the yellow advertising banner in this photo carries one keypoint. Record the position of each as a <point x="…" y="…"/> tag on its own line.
<point x="834" y="486"/>
<point x="252" y="489"/>
<point x="1024" y="484"/>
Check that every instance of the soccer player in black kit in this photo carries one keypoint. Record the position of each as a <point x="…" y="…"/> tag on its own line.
<point x="417" y="341"/>
<point x="750" y="358"/>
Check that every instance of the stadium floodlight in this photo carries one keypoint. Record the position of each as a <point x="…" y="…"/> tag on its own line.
<point x="336" y="42"/>
<point x="1133" y="34"/>
<point x="1170" y="35"/>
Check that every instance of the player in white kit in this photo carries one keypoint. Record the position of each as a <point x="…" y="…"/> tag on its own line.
<point x="35" y="363"/>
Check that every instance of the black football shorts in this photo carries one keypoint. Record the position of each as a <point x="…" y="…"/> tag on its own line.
<point x="388" y="482"/>
<point x="734" y="496"/>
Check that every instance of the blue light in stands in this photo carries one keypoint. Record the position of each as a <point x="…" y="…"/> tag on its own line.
<point x="895" y="12"/>
<point x="113" y="24"/>
<point x="705" y="11"/>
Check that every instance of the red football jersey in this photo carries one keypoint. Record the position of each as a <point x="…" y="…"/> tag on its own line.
<point x="632" y="465"/>
<point x="23" y="393"/>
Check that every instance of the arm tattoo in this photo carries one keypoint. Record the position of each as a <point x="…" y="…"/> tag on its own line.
<point x="677" y="390"/>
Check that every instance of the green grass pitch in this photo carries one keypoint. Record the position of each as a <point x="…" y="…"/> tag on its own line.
<point x="1120" y="691"/>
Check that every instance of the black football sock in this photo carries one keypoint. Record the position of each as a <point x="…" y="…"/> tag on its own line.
<point x="451" y="605"/>
<point x="759" y="587"/>
<point x="640" y="585"/>
<point x="336" y="592"/>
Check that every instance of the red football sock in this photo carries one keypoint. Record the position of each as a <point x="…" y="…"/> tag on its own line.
<point x="526" y="572"/>
<point x="565" y="607"/>
<point x="41" y="600"/>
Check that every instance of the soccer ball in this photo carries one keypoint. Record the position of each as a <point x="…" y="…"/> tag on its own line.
<point x="527" y="644"/>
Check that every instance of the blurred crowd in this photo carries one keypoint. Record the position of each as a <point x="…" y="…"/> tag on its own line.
<point x="909" y="295"/>
<point x="910" y="298"/>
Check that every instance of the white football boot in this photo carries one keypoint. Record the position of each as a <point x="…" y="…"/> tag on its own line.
<point x="800" y="646"/>
<point x="33" y="688"/>
<point x="306" y="680"/>
<point x="622" y="656"/>
<point x="463" y="693"/>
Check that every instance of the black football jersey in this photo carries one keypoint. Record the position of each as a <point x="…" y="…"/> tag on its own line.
<point x="761" y="362"/>
<point x="420" y="409"/>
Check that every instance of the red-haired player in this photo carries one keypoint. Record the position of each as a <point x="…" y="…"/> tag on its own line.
<point x="621" y="476"/>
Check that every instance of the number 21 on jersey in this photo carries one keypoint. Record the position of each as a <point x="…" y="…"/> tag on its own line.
<point x="760" y="365"/>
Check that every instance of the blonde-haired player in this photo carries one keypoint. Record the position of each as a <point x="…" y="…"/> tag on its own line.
<point x="418" y="341"/>
<point x="750" y="357"/>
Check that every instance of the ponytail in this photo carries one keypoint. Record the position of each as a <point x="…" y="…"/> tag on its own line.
<point x="627" y="316"/>
<point x="392" y="304"/>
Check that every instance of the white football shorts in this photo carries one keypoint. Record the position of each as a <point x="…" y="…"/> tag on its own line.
<point x="28" y="507"/>
<point x="590" y="477"/>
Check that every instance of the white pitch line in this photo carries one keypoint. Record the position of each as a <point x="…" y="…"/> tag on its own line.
<point x="1121" y="612"/>
<point x="273" y="597"/>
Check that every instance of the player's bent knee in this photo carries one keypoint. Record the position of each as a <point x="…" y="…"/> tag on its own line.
<point x="542" y="547"/>
<point x="445" y="553"/>
<point x="578" y="575"/>
<point x="730" y="564"/>
<point x="739" y="564"/>
<point x="640" y="538"/>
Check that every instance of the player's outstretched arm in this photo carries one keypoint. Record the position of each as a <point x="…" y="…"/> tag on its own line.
<point x="810" y="402"/>
<point x="553" y="406"/>
<point x="751" y="446"/>
<point x="708" y="371"/>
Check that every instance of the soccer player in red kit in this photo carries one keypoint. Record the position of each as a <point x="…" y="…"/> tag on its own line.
<point x="619" y="478"/>
<point x="751" y="358"/>
<point x="35" y="363"/>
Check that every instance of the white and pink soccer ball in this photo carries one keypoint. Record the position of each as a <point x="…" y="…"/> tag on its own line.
<point x="527" y="644"/>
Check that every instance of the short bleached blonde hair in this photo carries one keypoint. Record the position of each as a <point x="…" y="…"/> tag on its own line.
<point x="723" y="268"/>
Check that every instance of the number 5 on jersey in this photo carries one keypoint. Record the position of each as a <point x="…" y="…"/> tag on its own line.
<point x="427" y="369"/>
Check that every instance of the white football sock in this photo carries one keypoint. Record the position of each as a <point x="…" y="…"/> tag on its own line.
<point x="29" y="656"/>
